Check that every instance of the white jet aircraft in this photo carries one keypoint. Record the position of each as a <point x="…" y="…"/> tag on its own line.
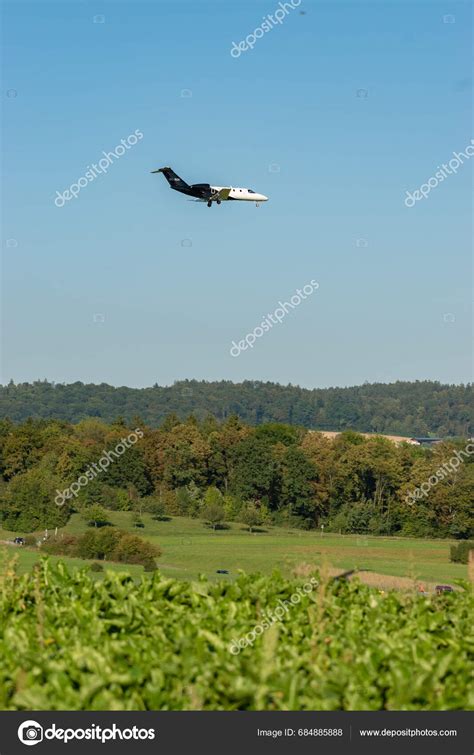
<point x="208" y="193"/>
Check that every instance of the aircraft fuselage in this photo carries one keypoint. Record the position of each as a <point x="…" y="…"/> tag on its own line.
<point x="208" y="193"/>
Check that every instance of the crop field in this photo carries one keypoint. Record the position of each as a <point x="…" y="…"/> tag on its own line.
<point x="190" y="549"/>
<point x="69" y="642"/>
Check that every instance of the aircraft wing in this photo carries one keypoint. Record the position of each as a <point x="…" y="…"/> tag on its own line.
<point x="223" y="194"/>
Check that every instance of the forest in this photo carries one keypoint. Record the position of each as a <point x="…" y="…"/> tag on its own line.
<point x="223" y="471"/>
<point x="421" y="408"/>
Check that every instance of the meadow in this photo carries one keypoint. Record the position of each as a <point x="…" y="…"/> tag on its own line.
<point x="189" y="549"/>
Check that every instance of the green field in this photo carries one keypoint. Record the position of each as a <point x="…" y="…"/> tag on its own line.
<point x="189" y="549"/>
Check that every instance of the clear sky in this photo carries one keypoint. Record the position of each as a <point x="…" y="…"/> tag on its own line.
<point x="334" y="114"/>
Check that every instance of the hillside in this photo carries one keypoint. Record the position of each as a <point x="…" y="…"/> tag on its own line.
<point x="401" y="408"/>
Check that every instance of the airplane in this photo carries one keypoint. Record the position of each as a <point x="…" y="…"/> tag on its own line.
<point x="208" y="193"/>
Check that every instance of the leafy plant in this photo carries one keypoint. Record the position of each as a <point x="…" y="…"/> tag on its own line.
<point x="460" y="552"/>
<point x="68" y="641"/>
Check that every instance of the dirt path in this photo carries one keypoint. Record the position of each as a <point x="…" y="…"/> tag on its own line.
<point x="374" y="579"/>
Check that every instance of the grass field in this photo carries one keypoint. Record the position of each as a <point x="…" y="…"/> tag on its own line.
<point x="189" y="549"/>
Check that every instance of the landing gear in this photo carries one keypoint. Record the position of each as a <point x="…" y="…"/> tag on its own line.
<point x="257" y="204"/>
<point x="209" y="204"/>
<point x="218" y="201"/>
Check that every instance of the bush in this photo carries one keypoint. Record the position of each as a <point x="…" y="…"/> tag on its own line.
<point x="380" y="524"/>
<point x="306" y="524"/>
<point x="460" y="553"/>
<point x="98" y="544"/>
<point x="284" y="518"/>
<point x="338" y="522"/>
<point x="362" y="517"/>
<point x="418" y="528"/>
<point x="153" y="506"/>
<point x="96" y="566"/>
<point x="132" y="549"/>
<point x="64" y="545"/>
<point x="106" y="543"/>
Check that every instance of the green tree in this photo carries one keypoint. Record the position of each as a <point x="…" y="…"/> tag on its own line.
<point x="28" y="503"/>
<point x="136" y="519"/>
<point x="129" y="471"/>
<point x="251" y="516"/>
<point x="402" y="408"/>
<point x="212" y="507"/>
<point x="232" y="507"/>
<point x="214" y="514"/>
<point x="95" y="516"/>
<point x="185" y="457"/>
<point x="369" y="470"/>
<point x="447" y="508"/>
<point x="22" y="447"/>
<point x="255" y="473"/>
<point x="298" y="491"/>
<point x="93" y="494"/>
<point x="274" y="432"/>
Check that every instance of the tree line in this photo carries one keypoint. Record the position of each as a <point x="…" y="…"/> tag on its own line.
<point x="231" y="471"/>
<point x="418" y="408"/>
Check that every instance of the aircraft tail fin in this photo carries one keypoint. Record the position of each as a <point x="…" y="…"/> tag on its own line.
<point x="174" y="180"/>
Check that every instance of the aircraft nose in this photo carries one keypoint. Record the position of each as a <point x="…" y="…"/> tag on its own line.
<point x="262" y="198"/>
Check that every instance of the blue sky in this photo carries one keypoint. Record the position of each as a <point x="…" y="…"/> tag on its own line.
<point x="132" y="284"/>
